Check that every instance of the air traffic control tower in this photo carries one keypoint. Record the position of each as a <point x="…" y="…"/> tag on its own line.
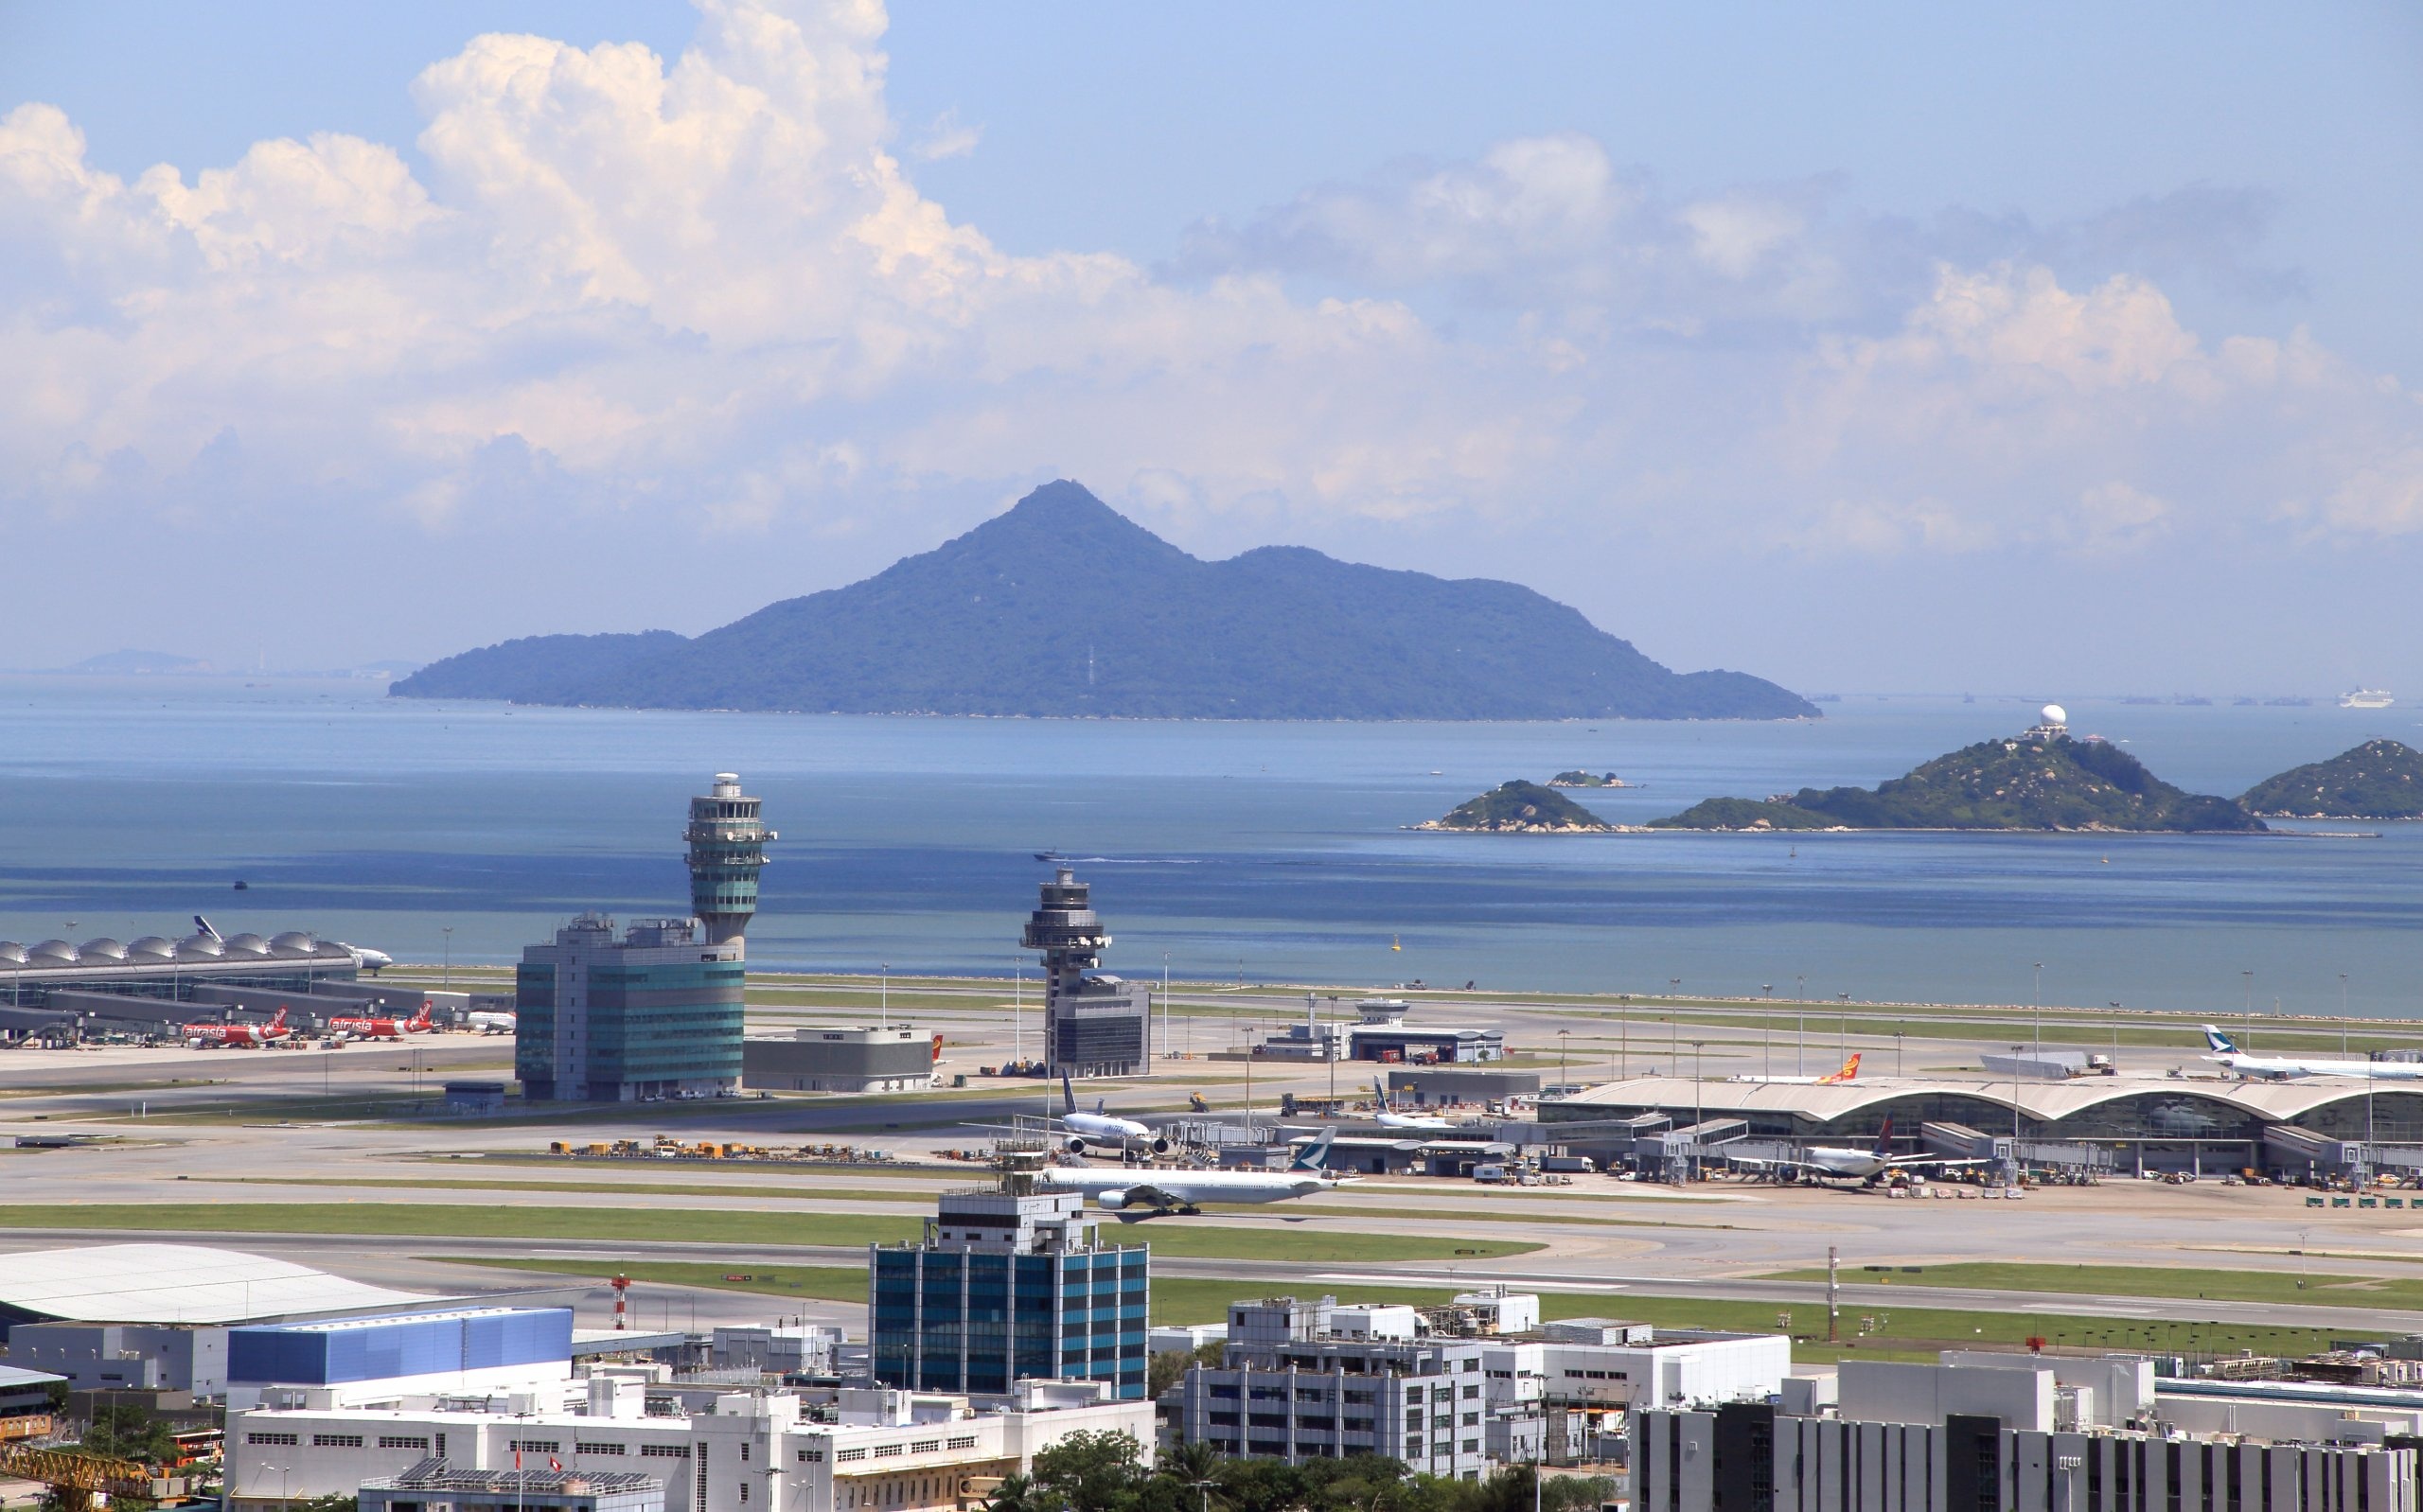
<point x="727" y="836"/>
<point x="1092" y="1026"/>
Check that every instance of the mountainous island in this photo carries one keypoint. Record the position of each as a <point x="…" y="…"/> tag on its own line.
<point x="1582" y="779"/>
<point x="2035" y="782"/>
<point x="2377" y="780"/>
<point x="1520" y="808"/>
<point x="1063" y="607"/>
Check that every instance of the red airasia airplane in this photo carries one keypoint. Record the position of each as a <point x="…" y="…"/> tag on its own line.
<point x="237" y="1037"/>
<point x="384" y="1029"/>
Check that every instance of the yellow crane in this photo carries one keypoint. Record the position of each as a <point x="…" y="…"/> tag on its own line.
<point x="78" y="1476"/>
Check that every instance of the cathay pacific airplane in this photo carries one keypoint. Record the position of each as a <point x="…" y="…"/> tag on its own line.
<point x="1171" y="1189"/>
<point x="2289" y="1067"/>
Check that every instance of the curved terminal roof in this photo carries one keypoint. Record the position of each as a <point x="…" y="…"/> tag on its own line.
<point x="179" y="1283"/>
<point x="2274" y="1102"/>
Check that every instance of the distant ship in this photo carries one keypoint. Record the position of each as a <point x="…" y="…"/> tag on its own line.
<point x="2364" y="698"/>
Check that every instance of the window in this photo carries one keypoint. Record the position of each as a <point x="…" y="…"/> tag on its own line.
<point x="744" y="1494"/>
<point x="664" y="1451"/>
<point x="811" y="1456"/>
<point x="536" y="1445"/>
<point x="926" y="1446"/>
<point x="399" y="1441"/>
<point x="336" y="1440"/>
<point x="587" y="1447"/>
<point x="272" y="1438"/>
<point x="1471" y="1446"/>
<point x="1472" y="1419"/>
<point x="1471" y="1392"/>
<point x="850" y="1454"/>
<point x="744" y="1453"/>
<point x="967" y="1442"/>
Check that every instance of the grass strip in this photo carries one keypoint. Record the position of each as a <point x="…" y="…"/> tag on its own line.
<point x="707" y="1226"/>
<point x="1904" y="1332"/>
<point x="2172" y="1282"/>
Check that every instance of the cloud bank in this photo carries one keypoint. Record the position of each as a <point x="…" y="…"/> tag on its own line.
<point x="705" y="293"/>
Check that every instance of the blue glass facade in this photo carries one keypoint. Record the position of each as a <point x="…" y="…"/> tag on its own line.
<point x="651" y="1014"/>
<point x="975" y="1320"/>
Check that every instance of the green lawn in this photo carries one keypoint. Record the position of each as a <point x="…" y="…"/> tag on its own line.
<point x="710" y="1226"/>
<point x="2154" y="1281"/>
<point x="1898" y="1332"/>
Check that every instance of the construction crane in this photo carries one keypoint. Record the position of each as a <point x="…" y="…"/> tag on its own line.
<point x="78" y="1476"/>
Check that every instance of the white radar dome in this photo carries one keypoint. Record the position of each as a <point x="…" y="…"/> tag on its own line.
<point x="2056" y="714"/>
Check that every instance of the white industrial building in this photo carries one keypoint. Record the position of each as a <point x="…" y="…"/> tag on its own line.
<point x="716" y="1450"/>
<point x="2023" y="1433"/>
<point x="1455" y="1391"/>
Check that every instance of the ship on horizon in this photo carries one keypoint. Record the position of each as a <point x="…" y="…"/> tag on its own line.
<point x="2364" y="698"/>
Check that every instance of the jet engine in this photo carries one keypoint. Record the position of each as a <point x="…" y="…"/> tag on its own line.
<point x="1112" y="1201"/>
<point x="1074" y="1144"/>
<point x="1160" y="1144"/>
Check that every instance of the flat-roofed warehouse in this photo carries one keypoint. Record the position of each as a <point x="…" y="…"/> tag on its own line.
<point x="896" y="1058"/>
<point x="2156" y="1123"/>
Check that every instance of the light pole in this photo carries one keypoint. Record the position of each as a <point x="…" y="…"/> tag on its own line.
<point x="1564" y="1043"/>
<point x="1767" y="1030"/>
<point x="1017" y="1011"/>
<point x="2036" y="1011"/>
<point x="1799" y="1023"/>
<point x="883" y="997"/>
<point x="1897" y="1050"/>
<point x="2249" y="974"/>
<point x="1623" y="1036"/>
<point x="447" y="979"/>
<point x="1843" y="1027"/>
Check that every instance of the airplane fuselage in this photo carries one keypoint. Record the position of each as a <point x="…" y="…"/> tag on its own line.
<point x="2284" y="1068"/>
<point x="1108" y="1187"/>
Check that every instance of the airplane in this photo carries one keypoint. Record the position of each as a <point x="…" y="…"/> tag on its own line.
<point x="1849" y="1072"/>
<point x="2288" y="1068"/>
<point x="236" y="1036"/>
<point x="487" y="1022"/>
<point x="370" y="961"/>
<point x="383" y="1028"/>
<point x="1833" y="1162"/>
<point x="1389" y="1118"/>
<point x="1168" y="1191"/>
<point x="1102" y="1127"/>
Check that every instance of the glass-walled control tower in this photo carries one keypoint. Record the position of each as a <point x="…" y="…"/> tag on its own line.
<point x="727" y="837"/>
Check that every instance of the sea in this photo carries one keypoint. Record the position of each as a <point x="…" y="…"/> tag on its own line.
<point x="1254" y="853"/>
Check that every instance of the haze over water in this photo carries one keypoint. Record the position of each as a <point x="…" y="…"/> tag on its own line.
<point x="1270" y="850"/>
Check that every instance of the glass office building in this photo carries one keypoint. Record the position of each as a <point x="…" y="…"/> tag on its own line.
<point x="1008" y="1286"/>
<point x="653" y="1014"/>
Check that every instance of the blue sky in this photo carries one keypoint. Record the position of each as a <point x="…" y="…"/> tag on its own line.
<point x="1788" y="341"/>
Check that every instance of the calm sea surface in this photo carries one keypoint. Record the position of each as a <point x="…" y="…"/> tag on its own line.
<point x="1270" y="850"/>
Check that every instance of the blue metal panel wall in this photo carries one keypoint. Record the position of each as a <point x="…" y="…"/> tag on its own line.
<point x="262" y="1356"/>
<point x="398" y="1346"/>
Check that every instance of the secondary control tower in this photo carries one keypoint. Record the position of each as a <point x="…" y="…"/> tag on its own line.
<point x="1092" y="1026"/>
<point x="727" y="837"/>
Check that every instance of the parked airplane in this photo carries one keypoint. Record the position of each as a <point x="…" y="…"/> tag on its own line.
<point x="1171" y="1190"/>
<point x="236" y="1036"/>
<point x="1835" y="1162"/>
<point x="1100" y="1127"/>
<point x="487" y="1022"/>
<point x="1849" y="1072"/>
<point x="2288" y="1068"/>
<point x="1387" y="1117"/>
<point x="364" y="960"/>
<point x="383" y="1028"/>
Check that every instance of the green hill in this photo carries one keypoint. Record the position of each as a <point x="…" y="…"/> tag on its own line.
<point x="2034" y="783"/>
<point x="2379" y="780"/>
<point x="1062" y="607"/>
<point x="1520" y="808"/>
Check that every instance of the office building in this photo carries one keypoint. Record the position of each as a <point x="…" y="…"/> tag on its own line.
<point x="1453" y="1391"/>
<point x="1008" y="1286"/>
<point x="869" y="1058"/>
<point x="2080" y="1434"/>
<point x="1092" y="1025"/>
<point x="359" y="1361"/>
<point x="706" y="1447"/>
<point x="656" y="1013"/>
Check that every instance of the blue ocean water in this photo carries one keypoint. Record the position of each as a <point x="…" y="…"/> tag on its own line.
<point x="1270" y="851"/>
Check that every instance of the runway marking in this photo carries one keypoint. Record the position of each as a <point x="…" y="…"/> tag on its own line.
<point x="2093" y="1310"/>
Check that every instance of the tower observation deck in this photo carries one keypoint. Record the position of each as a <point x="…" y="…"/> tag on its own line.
<point x="727" y="836"/>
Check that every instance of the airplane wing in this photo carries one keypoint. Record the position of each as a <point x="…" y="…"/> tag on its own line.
<point x="1770" y="1163"/>
<point x="1151" y="1196"/>
<point x="1942" y="1160"/>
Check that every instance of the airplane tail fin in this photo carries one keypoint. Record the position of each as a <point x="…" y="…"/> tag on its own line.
<point x="277" y="1020"/>
<point x="1885" y="1139"/>
<point x="1067" y="1093"/>
<point x="420" y="1020"/>
<point x="2218" y="1043"/>
<point x="1380" y="1085"/>
<point x="1315" y="1156"/>
<point x="1848" y="1073"/>
<point x="203" y="926"/>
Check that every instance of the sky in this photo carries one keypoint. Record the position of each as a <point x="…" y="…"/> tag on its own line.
<point x="2059" y="349"/>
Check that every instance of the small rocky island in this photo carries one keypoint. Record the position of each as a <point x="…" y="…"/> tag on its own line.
<point x="1582" y="779"/>
<point x="2040" y="780"/>
<point x="1520" y="808"/>
<point x="2379" y="780"/>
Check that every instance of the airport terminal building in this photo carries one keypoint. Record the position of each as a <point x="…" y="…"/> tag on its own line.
<point x="106" y="980"/>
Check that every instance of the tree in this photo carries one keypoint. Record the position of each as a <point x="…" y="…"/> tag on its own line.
<point x="127" y="1431"/>
<point x="1090" y="1472"/>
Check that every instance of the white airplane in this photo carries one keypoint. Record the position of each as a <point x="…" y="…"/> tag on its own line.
<point x="1387" y="1117"/>
<point x="487" y="1022"/>
<point x="370" y="961"/>
<point x="1170" y="1190"/>
<point x="1101" y="1127"/>
<point x="1836" y="1162"/>
<point x="2288" y="1068"/>
<point x="1849" y="1072"/>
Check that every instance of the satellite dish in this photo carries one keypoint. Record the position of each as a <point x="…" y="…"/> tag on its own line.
<point x="2056" y="714"/>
